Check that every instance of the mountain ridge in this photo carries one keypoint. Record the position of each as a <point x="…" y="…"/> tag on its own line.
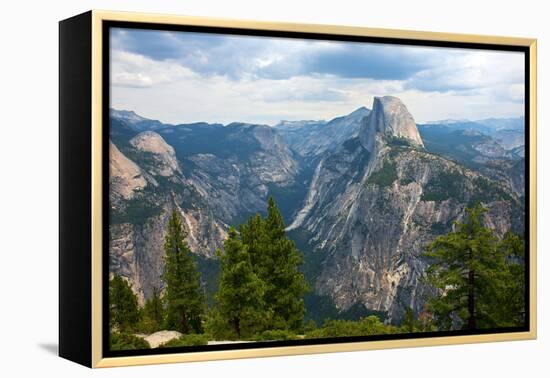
<point x="361" y="214"/>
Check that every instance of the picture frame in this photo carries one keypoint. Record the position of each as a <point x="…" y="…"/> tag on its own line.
<point x="84" y="111"/>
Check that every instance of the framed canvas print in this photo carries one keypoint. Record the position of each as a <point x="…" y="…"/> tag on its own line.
<point x="235" y="189"/>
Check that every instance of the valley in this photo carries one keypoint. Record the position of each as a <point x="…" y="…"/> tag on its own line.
<point x="362" y="195"/>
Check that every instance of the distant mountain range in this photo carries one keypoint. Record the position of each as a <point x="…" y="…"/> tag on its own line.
<point x="517" y="123"/>
<point x="362" y="194"/>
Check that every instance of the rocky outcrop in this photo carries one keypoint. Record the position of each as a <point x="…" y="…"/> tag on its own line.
<point x="374" y="232"/>
<point x="125" y="177"/>
<point x="389" y="119"/>
<point x="161" y="337"/>
<point x="213" y="193"/>
<point x="311" y="139"/>
<point x="374" y="195"/>
<point x="237" y="184"/>
<point x="162" y="155"/>
<point x="375" y="203"/>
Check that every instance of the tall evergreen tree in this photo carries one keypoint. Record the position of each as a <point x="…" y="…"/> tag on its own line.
<point x="472" y="274"/>
<point x="123" y="305"/>
<point x="240" y="295"/>
<point x="511" y="293"/>
<point x="276" y="261"/>
<point x="185" y="303"/>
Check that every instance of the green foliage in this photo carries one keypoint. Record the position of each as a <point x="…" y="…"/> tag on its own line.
<point x="396" y="141"/>
<point x="487" y="191"/>
<point x="273" y="335"/>
<point x="411" y="323"/>
<point x="153" y="314"/>
<point x="310" y="326"/>
<point x="261" y="287"/>
<point x="322" y="307"/>
<point x="445" y="185"/>
<point x="511" y="299"/>
<point x="478" y="278"/>
<point x="240" y="296"/>
<point x="385" y="176"/>
<point x="218" y="327"/>
<point x="276" y="261"/>
<point x="453" y="184"/>
<point x="192" y="339"/>
<point x="185" y="303"/>
<point x="209" y="269"/>
<point x="125" y="341"/>
<point x="136" y="210"/>
<point x="370" y="325"/>
<point x="123" y="305"/>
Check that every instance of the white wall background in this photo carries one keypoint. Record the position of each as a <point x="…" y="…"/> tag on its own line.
<point x="28" y="210"/>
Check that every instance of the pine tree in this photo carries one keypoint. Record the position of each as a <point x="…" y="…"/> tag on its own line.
<point x="510" y="303"/>
<point x="254" y="236"/>
<point x="123" y="305"/>
<point x="185" y="303"/>
<point x="276" y="261"/>
<point x="240" y="295"/>
<point x="473" y="276"/>
<point x="410" y="324"/>
<point x="153" y="311"/>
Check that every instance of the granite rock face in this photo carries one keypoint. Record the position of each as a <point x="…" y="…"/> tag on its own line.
<point x="372" y="230"/>
<point x="389" y="118"/>
<point x="374" y="195"/>
<point x="125" y="176"/>
<point x="214" y="192"/>
<point x="163" y="156"/>
<point x="311" y="139"/>
<point x="376" y="202"/>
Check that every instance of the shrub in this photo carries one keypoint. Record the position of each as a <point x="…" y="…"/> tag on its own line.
<point x="385" y="176"/>
<point x="192" y="339"/>
<point x="275" y="334"/>
<point x="445" y="185"/>
<point x="217" y="327"/>
<point x="371" y="325"/>
<point x="126" y="341"/>
<point x="147" y="325"/>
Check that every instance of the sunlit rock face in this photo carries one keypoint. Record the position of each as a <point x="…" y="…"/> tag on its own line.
<point x="364" y="193"/>
<point x="389" y="119"/>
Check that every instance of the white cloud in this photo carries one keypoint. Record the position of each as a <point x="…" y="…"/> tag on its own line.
<point x="470" y="70"/>
<point x="458" y="84"/>
<point x="133" y="70"/>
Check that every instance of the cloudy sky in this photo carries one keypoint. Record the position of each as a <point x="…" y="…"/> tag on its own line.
<point x="180" y="77"/>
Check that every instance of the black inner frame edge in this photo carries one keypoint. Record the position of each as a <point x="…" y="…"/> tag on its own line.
<point x="107" y="25"/>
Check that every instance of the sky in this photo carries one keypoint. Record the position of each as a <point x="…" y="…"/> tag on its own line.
<point x="182" y="77"/>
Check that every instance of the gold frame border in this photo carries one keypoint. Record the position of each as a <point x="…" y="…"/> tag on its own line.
<point x="97" y="228"/>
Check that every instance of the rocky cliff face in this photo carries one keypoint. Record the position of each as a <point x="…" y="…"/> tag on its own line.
<point x="125" y="177"/>
<point x="477" y="151"/>
<point x="211" y="189"/>
<point x="389" y="119"/>
<point x="235" y="179"/>
<point x="375" y="203"/>
<point x="311" y="139"/>
<point x="365" y="194"/>
<point x="162" y="156"/>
